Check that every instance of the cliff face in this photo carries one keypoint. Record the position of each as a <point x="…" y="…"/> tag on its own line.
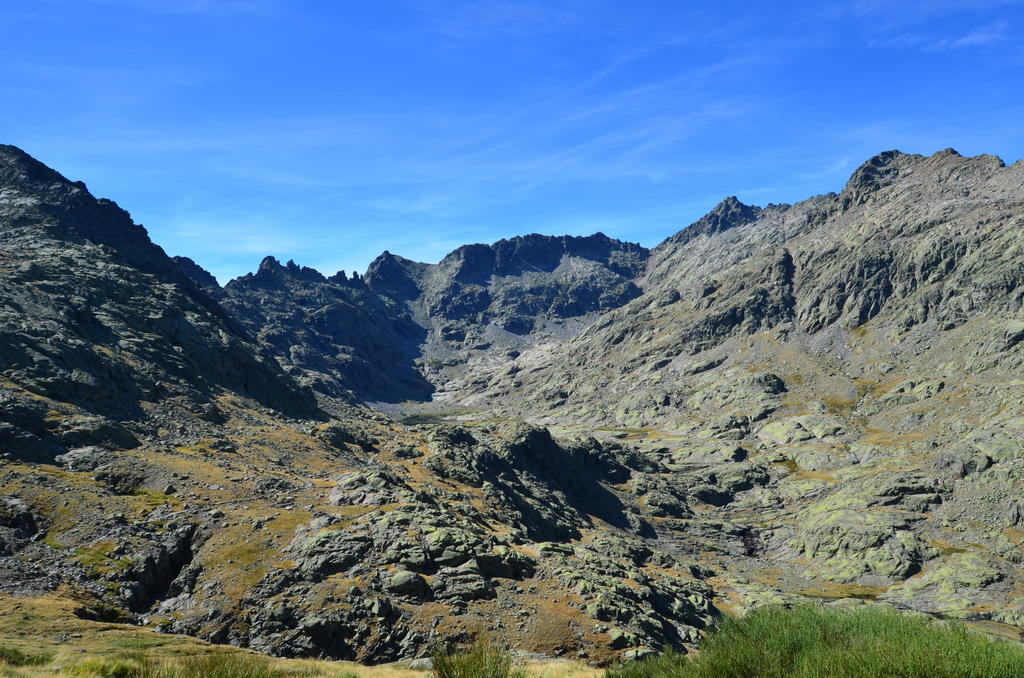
<point x="482" y="302"/>
<point x="334" y="334"/>
<point x="813" y="400"/>
<point x="517" y="283"/>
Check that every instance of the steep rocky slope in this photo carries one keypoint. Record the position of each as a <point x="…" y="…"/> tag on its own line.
<point x="921" y="253"/>
<point x="95" y="315"/>
<point x="814" y="400"/>
<point x="482" y="303"/>
<point x="332" y="333"/>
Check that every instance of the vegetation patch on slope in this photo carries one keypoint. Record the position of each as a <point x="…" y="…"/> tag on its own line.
<point x="814" y="641"/>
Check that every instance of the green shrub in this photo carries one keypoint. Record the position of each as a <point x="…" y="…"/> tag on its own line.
<point x="812" y="641"/>
<point x="235" y="665"/>
<point x="482" y="659"/>
<point x="12" y="656"/>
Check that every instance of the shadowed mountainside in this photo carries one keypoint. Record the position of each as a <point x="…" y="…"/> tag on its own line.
<point x="95" y="314"/>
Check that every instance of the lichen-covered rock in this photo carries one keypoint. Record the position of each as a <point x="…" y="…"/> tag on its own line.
<point x="950" y="585"/>
<point x="328" y="552"/>
<point x="866" y="528"/>
<point x="409" y="583"/>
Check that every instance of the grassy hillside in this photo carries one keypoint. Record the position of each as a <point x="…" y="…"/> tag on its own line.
<point x="46" y="637"/>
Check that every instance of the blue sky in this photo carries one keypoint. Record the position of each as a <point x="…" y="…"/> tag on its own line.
<point x="328" y="131"/>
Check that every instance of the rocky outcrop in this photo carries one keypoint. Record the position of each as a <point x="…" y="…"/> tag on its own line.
<point x="487" y="300"/>
<point x="532" y="277"/>
<point x="333" y="334"/>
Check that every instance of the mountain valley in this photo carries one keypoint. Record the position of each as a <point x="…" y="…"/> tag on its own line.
<point x="588" y="448"/>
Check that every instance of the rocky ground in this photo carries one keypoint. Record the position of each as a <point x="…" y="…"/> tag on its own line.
<point x="586" y="447"/>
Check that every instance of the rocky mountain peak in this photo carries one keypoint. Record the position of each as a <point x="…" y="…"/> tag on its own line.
<point x="269" y="263"/>
<point x="133" y="325"/>
<point x="946" y="171"/>
<point x="877" y="173"/>
<point x="199" y="275"/>
<point x="273" y="273"/>
<point x="19" y="169"/>
<point x="727" y="214"/>
<point x="544" y="253"/>
<point x="395" y="276"/>
<point x="536" y="253"/>
<point x="67" y="209"/>
<point x="469" y="263"/>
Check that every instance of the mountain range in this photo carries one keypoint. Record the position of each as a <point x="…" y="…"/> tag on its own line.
<point x="587" y="447"/>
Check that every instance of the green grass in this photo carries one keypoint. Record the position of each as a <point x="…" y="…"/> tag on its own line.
<point x="213" y="665"/>
<point x="12" y="656"/>
<point x="483" y="659"/>
<point x="99" y="560"/>
<point x="663" y="666"/>
<point x="817" y="642"/>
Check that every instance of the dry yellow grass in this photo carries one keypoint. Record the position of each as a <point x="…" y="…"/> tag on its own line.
<point x="552" y="669"/>
<point x="563" y="670"/>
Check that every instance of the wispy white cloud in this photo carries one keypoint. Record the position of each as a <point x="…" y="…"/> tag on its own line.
<point x="840" y="165"/>
<point x="986" y="35"/>
<point x="435" y="204"/>
<point x="646" y="148"/>
<point x="459" y="163"/>
<point x="887" y="14"/>
<point x="241" y="234"/>
<point x="104" y="80"/>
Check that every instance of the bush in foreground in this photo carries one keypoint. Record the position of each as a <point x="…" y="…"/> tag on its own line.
<point x="483" y="659"/>
<point x="213" y="665"/>
<point x="667" y="664"/>
<point x="812" y="641"/>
